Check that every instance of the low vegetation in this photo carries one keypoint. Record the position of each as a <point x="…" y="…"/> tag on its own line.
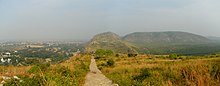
<point x="165" y="70"/>
<point x="101" y="53"/>
<point x="69" y="73"/>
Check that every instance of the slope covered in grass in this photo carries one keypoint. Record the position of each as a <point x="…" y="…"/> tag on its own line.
<point x="72" y="72"/>
<point x="163" y="70"/>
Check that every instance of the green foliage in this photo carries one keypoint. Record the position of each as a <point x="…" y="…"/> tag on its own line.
<point x="64" y="71"/>
<point x="179" y="42"/>
<point x="46" y="75"/>
<point x="111" y="41"/>
<point x="117" y="55"/>
<point x="215" y="71"/>
<point x="160" y="72"/>
<point x="100" y="53"/>
<point x="145" y="73"/>
<point x="132" y="55"/>
<point x="106" y="63"/>
<point x="26" y="81"/>
<point x="173" y="56"/>
<point x="110" y="62"/>
<point x="39" y="68"/>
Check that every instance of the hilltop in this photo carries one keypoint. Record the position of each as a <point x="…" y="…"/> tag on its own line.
<point x="111" y="41"/>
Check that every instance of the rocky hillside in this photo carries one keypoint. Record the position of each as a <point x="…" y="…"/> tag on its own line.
<point x="111" y="41"/>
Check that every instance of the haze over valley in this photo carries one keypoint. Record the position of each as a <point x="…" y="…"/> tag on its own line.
<point x="109" y="43"/>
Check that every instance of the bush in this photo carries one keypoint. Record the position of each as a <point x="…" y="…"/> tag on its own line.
<point x="102" y="53"/>
<point x="39" y="68"/>
<point x="117" y="55"/>
<point x="110" y="62"/>
<point x="215" y="71"/>
<point x="34" y="81"/>
<point x="143" y="75"/>
<point x="173" y="56"/>
<point x="132" y="55"/>
<point x="64" y="71"/>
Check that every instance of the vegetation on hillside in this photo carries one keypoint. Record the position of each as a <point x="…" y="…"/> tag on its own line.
<point x="164" y="37"/>
<point x="172" y="42"/>
<point x="165" y="70"/>
<point x="185" y="49"/>
<point x="101" y="53"/>
<point x="154" y="43"/>
<point x="110" y="41"/>
<point x="72" y="72"/>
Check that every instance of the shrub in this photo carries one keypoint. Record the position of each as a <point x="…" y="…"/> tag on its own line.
<point x="83" y="66"/>
<point x="64" y="71"/>
<point x="173" y="56"/>
<point x="143" y="75"/>
<point x="215" y="71"/>
<point x="132" y="55"/>
<point x="117" y="55"/>
<point x="34" y="81"/>
<point x="39" y="68"/>
<point x="102" y="53"/>
<point x="110" y="62"/>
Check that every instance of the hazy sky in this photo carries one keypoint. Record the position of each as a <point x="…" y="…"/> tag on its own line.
<point x="81" y="19"/>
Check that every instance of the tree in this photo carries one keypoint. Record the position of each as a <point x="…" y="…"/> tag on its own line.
<point x="173" y="56"/>
<point x="102" y="53"/>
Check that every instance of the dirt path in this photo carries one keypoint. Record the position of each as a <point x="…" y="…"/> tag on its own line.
<point x="95" y="76"/>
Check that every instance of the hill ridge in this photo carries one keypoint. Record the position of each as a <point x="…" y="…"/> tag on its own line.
<point x="165" y="42"/>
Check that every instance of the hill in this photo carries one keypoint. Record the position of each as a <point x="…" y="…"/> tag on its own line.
<point x="155" y="43"/>
<point x="213" y="38"/>
<point x="172" y="42"/>
<point x="111" y="41"/>
<point x="164" y="37"/>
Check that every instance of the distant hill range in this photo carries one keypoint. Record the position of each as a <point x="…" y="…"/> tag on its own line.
<point x="164" y="37"/>
<point x="154" y="43"/>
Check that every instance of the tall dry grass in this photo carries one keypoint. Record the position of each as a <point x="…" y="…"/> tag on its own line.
<point x="145" y="71"/>
<point x="71" y="72"/>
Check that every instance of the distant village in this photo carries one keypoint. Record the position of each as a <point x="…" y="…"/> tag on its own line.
<point x="6" y="57"/>
<point x="27" y="53"/>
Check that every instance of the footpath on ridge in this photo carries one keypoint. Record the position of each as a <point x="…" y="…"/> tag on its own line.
<point x="95" y="76"/>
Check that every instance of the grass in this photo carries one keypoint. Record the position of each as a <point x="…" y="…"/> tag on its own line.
<point x="13" y="70"/>
<point x="69" y="73"/>
<point x="155" y="71"/>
